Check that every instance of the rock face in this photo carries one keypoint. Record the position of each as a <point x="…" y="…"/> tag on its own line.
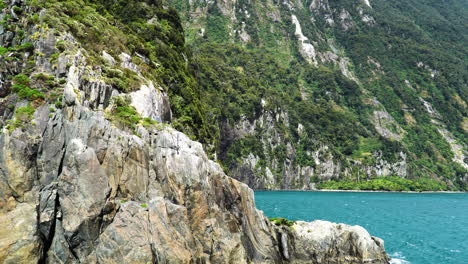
<point x="77" y="188"/>
<point x="109" y="192"/>
<point x="93" y="193"/>
<point x="294" y="175"/>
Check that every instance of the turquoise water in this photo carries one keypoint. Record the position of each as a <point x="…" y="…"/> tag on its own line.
<point x="417" y="228"/>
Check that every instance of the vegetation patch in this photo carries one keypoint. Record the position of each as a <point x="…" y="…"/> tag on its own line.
<point x="21" y="87"/>
<point x="279" y="221"/>
<point x="123" y="113"/>
<point x="386" y="184"/>
<point x="23" y="115"/>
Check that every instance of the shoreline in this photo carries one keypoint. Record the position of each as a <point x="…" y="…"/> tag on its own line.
<point x="361" y="191"/>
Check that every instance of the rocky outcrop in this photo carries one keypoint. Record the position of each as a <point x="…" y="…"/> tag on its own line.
<point x="76" y="187"/>
<point x="306" y="49"/>
<point x="109" y="192"/>
<point x="320" y="236"/>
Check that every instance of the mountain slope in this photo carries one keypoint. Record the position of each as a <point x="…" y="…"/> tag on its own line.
<point x="304" y="92"/>
<point x="91" y="171"/>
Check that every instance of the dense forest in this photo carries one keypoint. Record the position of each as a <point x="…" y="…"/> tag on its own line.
<point x="387" y="78"/>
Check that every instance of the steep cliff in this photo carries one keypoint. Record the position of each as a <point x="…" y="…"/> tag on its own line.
<point x="305" y="92"/>
<point x="92" y="172"/>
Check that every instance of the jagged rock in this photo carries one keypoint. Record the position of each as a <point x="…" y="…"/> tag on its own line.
<point x="182" y="209"/>
<point x="76" y="188"/>
<point x="331" y="243"/>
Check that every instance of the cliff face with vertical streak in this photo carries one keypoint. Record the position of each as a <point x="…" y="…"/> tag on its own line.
<point x="92" y="172"/>
<point x="338" y="91"/>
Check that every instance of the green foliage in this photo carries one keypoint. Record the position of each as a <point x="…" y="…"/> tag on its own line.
<point x="23" y="115"/>
<point x="60" y="45"/>
<point x="143" y="205"/>
<point x="387" y="184"/>
<point x="25" y="92"/>
<point x="148" y="122"/>
<point x="54" y="57"/>
<point x="28" y="46"/>
<point x="333" y="109"/>
<point x="20" y="33"/>
<point x="3" y="51"/>
<point x="235" y="80"/>
<point x="123" y="113"/>
<point x="279" y="221"/>
<point x="217" y="28"/>
<point x="21" y="87"/>
<point x="17" y="10"/>
<point x="21" y="79"/>
<point x="125" y="80"/>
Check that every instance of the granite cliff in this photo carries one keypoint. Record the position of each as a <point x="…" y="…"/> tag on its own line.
<point x="91" y="170"/>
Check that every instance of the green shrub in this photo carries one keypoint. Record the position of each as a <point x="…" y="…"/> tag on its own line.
<point x="28" y="46"/>
<point x="21" y="79"/>
<point x="20" y="33"/>
<point x="123" y="113"/>
<point x="60" y="45"/>
<point x="17" y="10"/>
<point x="22" y="116"/>
<point x="279" y="221"/>
<point x="34" y="19"/>
<point x="147" y="122"/>
<point x="25" y="113"/>
<point x="25" y="92"/>
<point x="41" y="77"/>
<point x="54" y="57"/>
<point x="3" y="51"/>
<point x="58" y="104"/>
<point x="21" y="87"/>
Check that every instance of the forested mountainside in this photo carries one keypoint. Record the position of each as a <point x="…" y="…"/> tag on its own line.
<point x="300" y="94"/>
<point x="91" y="170"/>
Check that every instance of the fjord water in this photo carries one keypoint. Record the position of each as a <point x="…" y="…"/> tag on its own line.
<point x="418" y="228"/>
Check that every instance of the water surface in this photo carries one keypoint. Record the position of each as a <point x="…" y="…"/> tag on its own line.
<point x="417" y="228"/>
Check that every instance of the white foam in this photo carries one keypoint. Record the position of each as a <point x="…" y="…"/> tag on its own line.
<point x="398" y="258"/>
<point x="399" y="261"/>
